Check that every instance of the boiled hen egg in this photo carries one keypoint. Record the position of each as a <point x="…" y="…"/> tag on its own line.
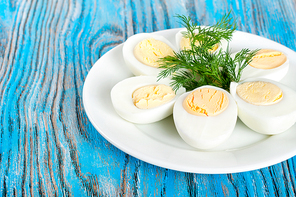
<point x="183" y="43"/>
<point x="143" y="99"/>
<point x="205" y="117"/>
<point x="267" y="63"/>
<point x="142" y="51"/>
<point x="265" y="106"/>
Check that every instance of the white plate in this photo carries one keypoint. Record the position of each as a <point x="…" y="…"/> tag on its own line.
<point x="160" y="144"/>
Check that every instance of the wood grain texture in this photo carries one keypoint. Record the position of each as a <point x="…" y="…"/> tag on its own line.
<point x="48" y="147"/>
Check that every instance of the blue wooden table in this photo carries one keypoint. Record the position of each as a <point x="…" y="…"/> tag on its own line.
<point x="48" y="147"/>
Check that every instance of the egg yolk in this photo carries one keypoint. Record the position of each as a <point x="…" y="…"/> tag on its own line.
<point x="259" y="93"/>
<point x="268" y="59"/>
<point x="185" y="44"/>
<point x="206" y="102"/>
<point x="149" y="51"/>
<point x="151" y="96"/>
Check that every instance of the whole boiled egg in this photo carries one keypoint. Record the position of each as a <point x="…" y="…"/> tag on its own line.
<point x="142" y="51"/>
<point x="267" y="63"/>
<point x="205" y="117"/>
<point x="184" y="42"/>
<point x="265" y="106"/>
<point x="143" y="99"/>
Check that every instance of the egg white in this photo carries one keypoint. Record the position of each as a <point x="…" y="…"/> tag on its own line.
<point x="121" y="97"/>
<point x="179" y="35"/>
<point x="267" y="119"/>
<point x="275" y="74"/>
<point x="205" y="132"/>
<point x="134" y="65"/>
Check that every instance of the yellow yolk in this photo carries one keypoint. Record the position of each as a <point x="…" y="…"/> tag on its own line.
<point x="268" y="59"/>
<point x="259" y="93"/>
<point x="149" y="51"/>
<point x="206" y="102"/>
<point x="152" y="96"/>
<point x="185" y="44"/>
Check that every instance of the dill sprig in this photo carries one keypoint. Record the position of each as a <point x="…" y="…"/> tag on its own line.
<point x="208" y="36"/>
<point x="198" y="66"/>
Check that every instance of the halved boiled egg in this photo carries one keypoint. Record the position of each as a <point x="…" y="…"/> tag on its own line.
<point x="142" y="51"/>
<point x="143" y="99"/>
<point x="205" y="117"/>
<point x="184" y="42"/>
<point x="267" y="63"/>
<point x="265" y="106"/>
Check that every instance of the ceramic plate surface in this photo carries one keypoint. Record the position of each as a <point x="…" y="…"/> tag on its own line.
<point x="160" y="144"/>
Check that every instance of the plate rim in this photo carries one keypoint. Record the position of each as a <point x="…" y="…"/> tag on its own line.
<point x="172" y="166"/>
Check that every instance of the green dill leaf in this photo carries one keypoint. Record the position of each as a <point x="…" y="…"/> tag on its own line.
<point x="198" y="66"/>
<point x="242" y="59"/>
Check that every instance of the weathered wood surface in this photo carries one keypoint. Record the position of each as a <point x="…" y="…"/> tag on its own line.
<point x="48" y="147"/>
